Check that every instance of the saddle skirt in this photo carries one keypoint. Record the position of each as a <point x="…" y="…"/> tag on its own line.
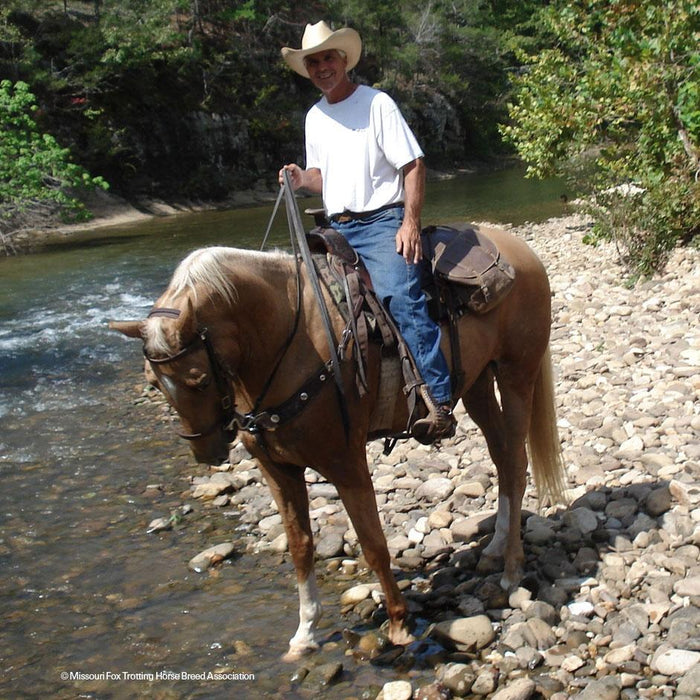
<point x="463" y="271"/>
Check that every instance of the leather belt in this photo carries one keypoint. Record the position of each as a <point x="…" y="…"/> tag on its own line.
<point x="346" y="216"/>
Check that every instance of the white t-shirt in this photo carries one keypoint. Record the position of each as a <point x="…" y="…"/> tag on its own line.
<point x="360" y="146"/>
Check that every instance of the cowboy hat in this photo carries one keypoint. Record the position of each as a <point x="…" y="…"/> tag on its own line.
<point x="320" y="37"/>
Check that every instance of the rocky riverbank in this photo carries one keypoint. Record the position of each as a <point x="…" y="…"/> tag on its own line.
<point x="609" y="607"/>
<point x="108" y="210"/>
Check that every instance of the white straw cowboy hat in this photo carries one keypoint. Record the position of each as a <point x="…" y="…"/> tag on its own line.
<point x="320" y="37"/>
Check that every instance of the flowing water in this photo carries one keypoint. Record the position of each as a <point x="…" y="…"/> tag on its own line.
<point x="92" y="605"/>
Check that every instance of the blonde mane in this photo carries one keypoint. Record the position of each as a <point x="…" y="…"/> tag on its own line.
<point x="207" y="271"/>
<point x="211" y="271"/>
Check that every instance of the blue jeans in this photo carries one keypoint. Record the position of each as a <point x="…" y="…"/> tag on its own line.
<point x="398" y="286"/>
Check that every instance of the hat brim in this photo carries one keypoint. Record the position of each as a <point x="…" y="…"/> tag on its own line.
<point x="347" y="40"/>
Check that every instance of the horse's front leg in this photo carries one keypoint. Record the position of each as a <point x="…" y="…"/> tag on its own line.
<point x="288" y="488"/>
<point x="360" y="502"/>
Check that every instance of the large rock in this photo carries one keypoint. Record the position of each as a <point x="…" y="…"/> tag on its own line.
<point x="675" y="662"/>
<point x="466" y="633"/>
<point x="690" y="683"/>
<point x="607" y="688"/>
<point x="437" y="489"/>
<point x="458" y="678"/>
<point x="583" y="520"/>
<point x="330" y="543"/>
<point x="397" y="690"/>
<point x="355" y="595"/>
<point x="520" y="689"/>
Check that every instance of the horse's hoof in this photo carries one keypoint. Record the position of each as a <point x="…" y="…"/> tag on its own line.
<point x="489" y="565"/>
<point x="401" y="638"/>
<point x="298" y="652"/>
<point x="510" y="581"/>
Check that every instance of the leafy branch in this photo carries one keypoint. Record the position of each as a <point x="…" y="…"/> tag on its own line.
<point x="38" y="181"/>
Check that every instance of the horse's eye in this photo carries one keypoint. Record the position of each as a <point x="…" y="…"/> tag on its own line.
<point x="198" y="380"/>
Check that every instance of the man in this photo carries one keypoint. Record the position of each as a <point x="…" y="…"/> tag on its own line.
<point x="365" y="161"/>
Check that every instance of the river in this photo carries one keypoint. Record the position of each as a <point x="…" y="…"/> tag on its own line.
<point x="92" y="605"/>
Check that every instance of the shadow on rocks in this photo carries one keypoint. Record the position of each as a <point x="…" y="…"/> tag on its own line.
<point x="611" y="589"/>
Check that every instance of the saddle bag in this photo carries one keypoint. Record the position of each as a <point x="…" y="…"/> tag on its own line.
<point x="465" y="256"/>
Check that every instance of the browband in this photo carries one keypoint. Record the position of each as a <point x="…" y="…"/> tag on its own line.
<point x="162" y="311"/>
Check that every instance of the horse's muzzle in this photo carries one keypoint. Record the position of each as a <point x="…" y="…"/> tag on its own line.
<point x="212" y="449"/>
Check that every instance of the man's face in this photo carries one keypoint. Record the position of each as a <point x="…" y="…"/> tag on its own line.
<point x="327" y="70"/>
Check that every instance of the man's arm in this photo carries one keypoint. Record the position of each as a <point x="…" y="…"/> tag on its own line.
<point x="408" y="241"/>
<point x="310" y="179"/>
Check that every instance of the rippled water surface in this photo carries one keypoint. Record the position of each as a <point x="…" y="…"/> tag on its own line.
<point x="84" y="469"/>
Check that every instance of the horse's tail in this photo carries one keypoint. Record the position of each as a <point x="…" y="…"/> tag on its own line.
<point x="543" y="438"/>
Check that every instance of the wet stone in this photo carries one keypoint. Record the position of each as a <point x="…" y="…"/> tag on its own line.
<point x="397" y="690"/>
<point x="581" y="519"/>
<point x="159" y="525"/>
<point x="211" y="556"/>
<point x="458" y="678"/>
<point x="355" y="595"/>
<point x="485" y="682"/>
<point x="324" y="675"/>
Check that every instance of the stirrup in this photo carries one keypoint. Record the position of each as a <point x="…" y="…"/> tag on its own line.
<point x="439" y="424"/>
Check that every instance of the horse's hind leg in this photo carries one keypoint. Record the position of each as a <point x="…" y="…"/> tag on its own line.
<point x="505" y="428"/>
<point x="288" y="488"/>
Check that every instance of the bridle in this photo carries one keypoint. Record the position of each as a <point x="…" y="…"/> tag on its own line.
<point x="256" y="420"/>
<point x="223" y="387"/>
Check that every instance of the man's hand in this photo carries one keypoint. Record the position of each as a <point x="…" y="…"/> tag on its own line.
<point x="308" y="179"/>
<point x="408" y="242"/>
<point x="296" y="175"/>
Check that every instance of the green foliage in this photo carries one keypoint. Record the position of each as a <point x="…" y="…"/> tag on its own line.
<point x="142" y="89"/>
<point x="141" y="31"/>
<point x="447" y="62"/>
<point x="37" y="177"/>
<point x="617" y="102"/>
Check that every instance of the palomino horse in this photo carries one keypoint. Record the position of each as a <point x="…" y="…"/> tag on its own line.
<point x="238" y="332"/>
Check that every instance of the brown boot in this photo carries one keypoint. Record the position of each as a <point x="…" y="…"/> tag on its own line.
<point x="438" y="424"/>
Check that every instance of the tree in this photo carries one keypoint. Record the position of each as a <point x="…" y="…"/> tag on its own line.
<point x="615" y="105"/>
<point x="37" y="177"/>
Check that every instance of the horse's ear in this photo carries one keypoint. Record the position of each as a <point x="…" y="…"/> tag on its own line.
<point x="188" y="322"/>
<point x="132" y="329"/>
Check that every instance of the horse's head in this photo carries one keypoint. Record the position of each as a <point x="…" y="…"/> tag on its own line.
<point x="182" y="364"/>
<point x="198" y="337"/>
